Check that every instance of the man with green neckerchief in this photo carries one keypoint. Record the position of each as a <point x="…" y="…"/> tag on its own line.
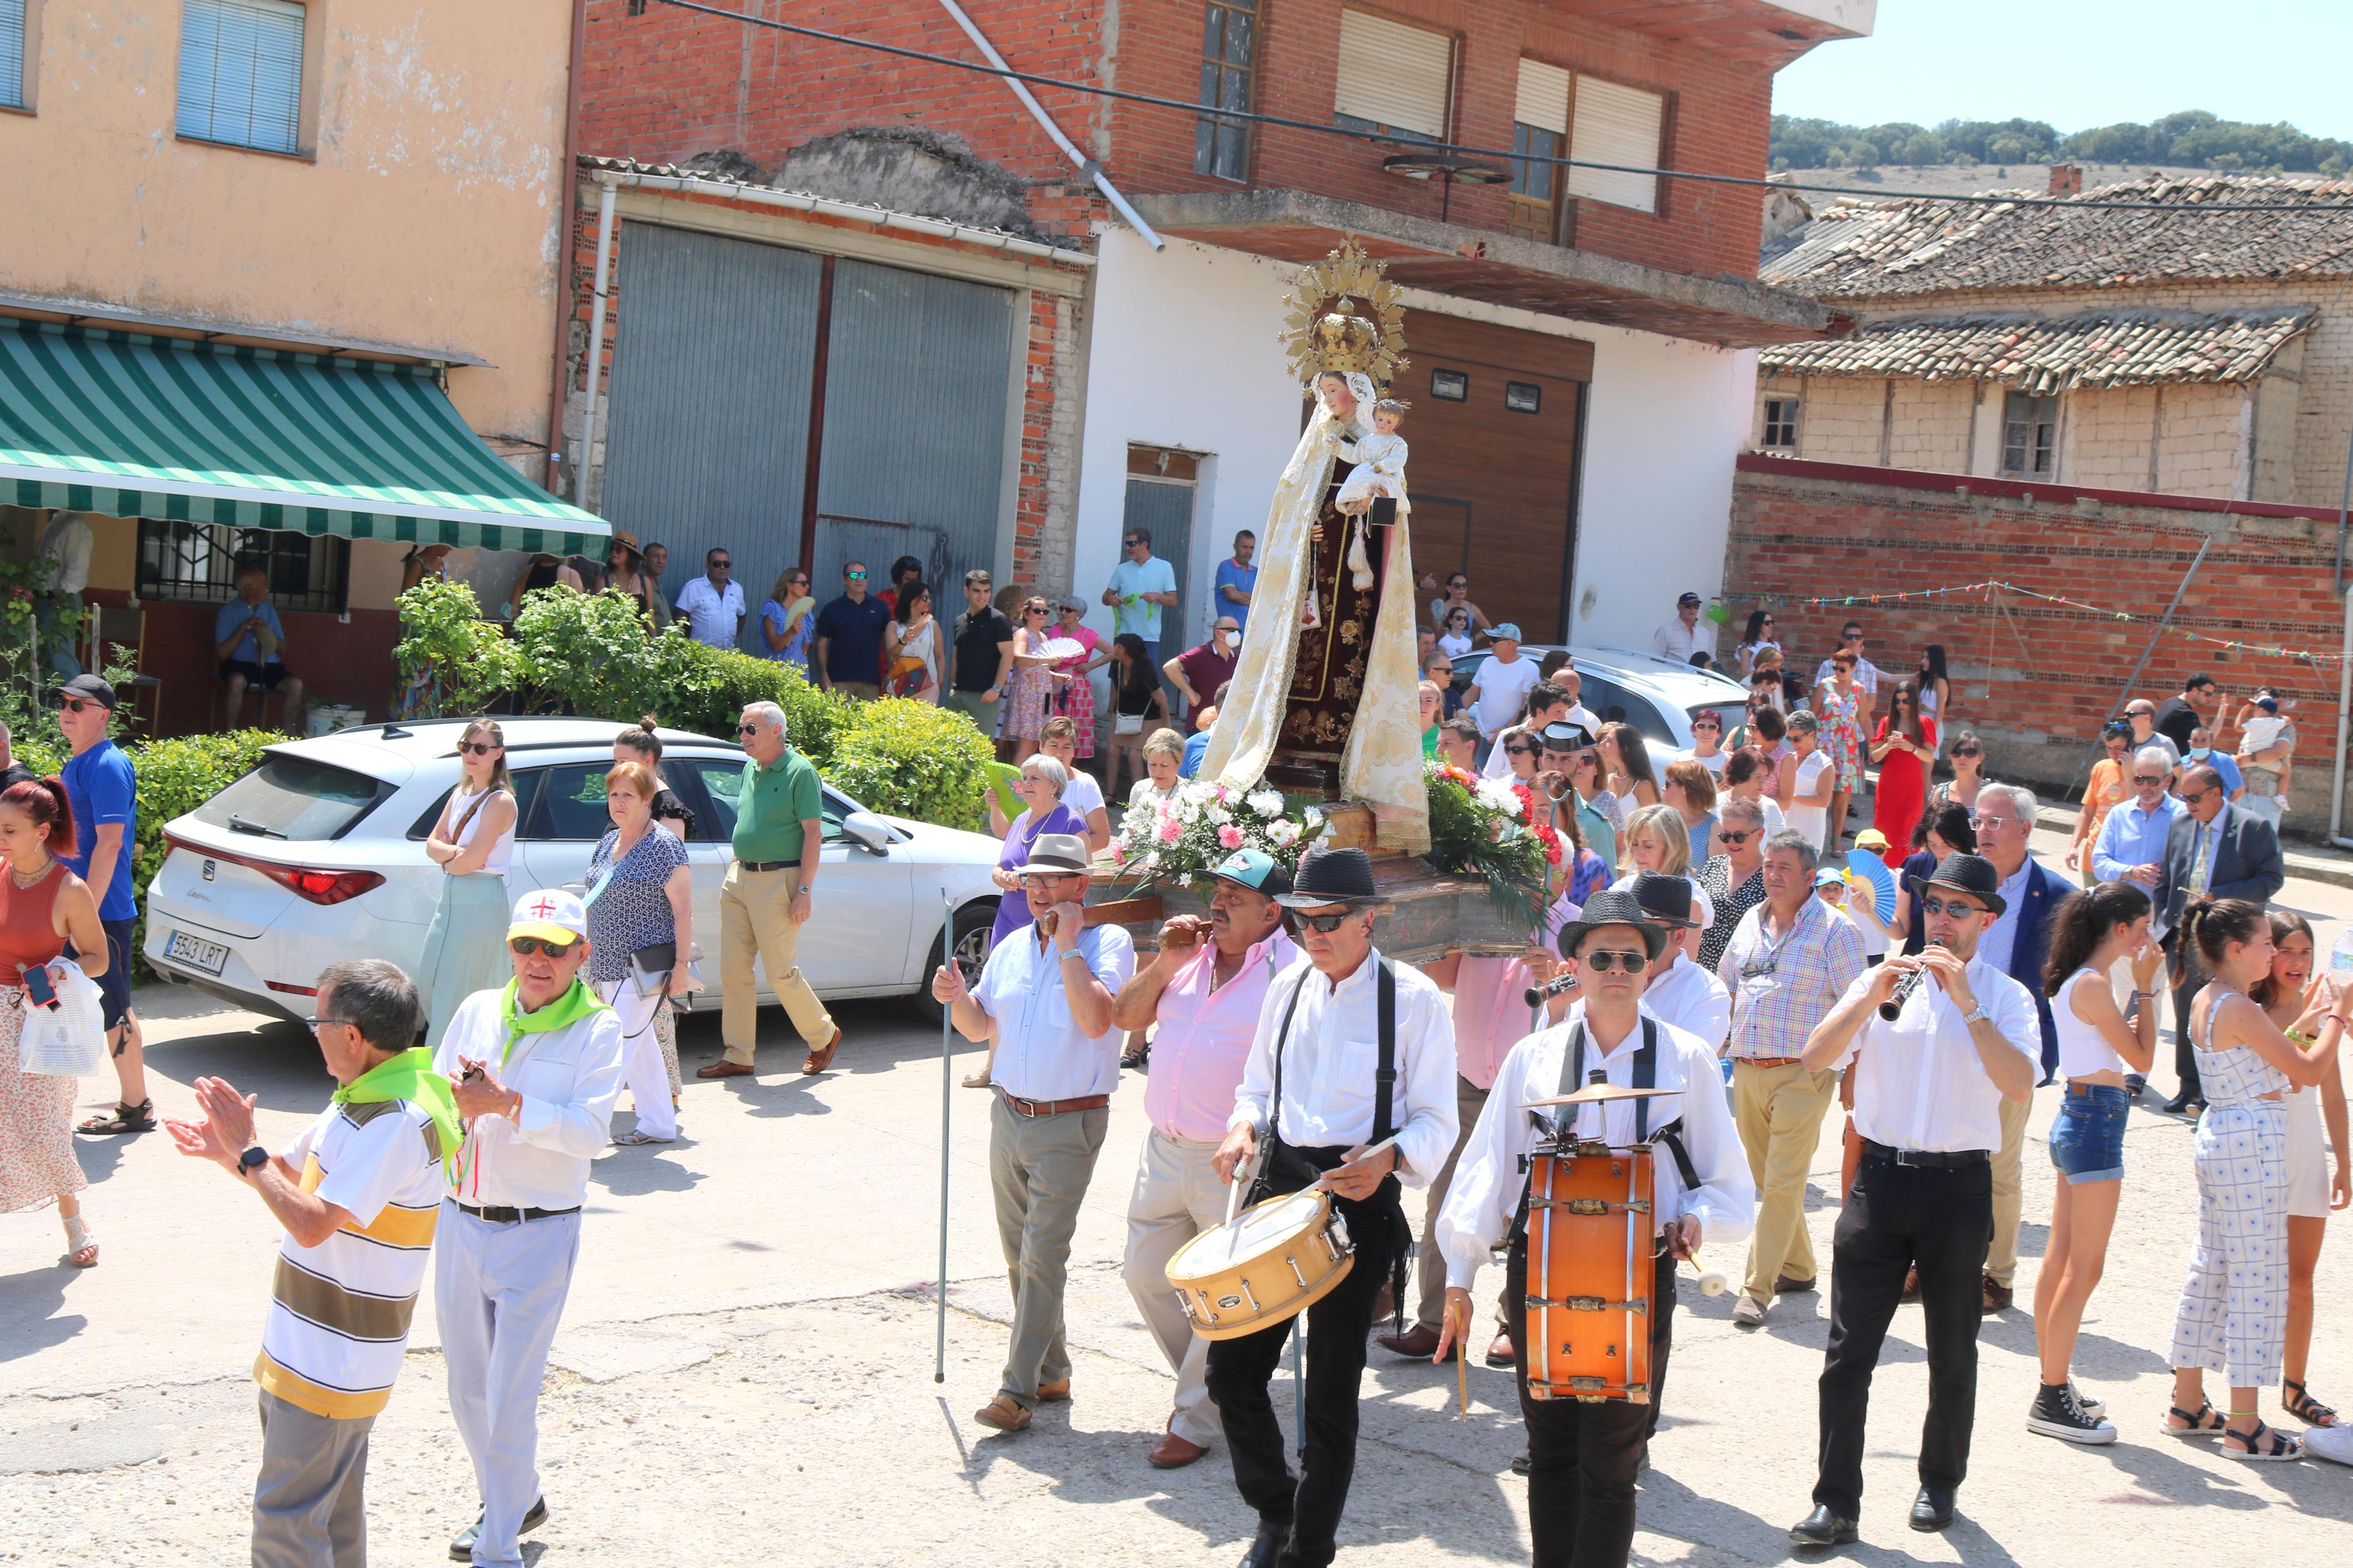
<point x="359" y="1191"/>
<point x="536" y="1068"/>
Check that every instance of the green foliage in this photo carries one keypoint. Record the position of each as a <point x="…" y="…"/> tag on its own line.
<point x="450" y="660"/>
<point x="2193" y="140"/>
<point x="175" y="776"/>
<point x="1470" y="836"/>
<point x="911" y="759"/>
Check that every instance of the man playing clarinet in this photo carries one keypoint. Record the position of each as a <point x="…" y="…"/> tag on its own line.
<point x="1583" y="1455"/>
<point x="1349" y="1084"/>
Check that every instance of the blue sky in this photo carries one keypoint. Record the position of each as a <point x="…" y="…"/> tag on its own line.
<point x="2079" y="63"/>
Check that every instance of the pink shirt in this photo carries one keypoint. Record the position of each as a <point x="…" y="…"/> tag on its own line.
<point x="1490" y="1010"/>
<point x="1204" y="1038"/>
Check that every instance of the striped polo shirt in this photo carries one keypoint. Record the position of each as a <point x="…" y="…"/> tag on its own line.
<point x="339" y="1311"/>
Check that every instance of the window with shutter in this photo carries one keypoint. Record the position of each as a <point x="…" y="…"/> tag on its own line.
<point x="11" y="54"/>
<point x="1392" y="77"/>
<point x="1540" y="124"/>
<point x="241" y="73"/>
<point x="1614" y="123"/>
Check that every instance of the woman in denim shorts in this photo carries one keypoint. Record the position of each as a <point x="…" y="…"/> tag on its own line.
<point x="2097" y="1047"/>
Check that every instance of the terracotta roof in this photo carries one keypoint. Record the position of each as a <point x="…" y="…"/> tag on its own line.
<point x="1923" y="247"/>
<point x="2043" y="354"/>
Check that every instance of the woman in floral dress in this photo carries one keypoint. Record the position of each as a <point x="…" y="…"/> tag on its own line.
<point x="1034" y="683"/>
<point x="1836" y="705"/>
<point x="1077" y="699"/>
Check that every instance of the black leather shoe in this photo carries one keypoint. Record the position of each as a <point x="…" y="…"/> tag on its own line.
<point x="1264" y="1549"/>
<point x="2181" y="1102"/>
<point x="1932" y="1508"/>
<point x="461" y="1545"/>
<point x="1823" y="1528"/>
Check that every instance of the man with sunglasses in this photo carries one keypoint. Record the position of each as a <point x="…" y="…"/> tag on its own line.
<point x="848" y="652"/>
<point x="102" y="788"/>
<point x="713" y="603"/>
<point x="1044" y="999"/>
<point x="2131" y="846"/>
<point x="980" y="655"/>
<point x="535" y="1069"/>
<point x="1358" y="1109"/>
<point x="1141" y="587"/>
<point x="1929" y="1089"/>
<point x="2213" y="848"/>
<point x="1583" y="1457"/>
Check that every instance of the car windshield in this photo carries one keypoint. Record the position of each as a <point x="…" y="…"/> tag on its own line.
<point x="293" y="798"/>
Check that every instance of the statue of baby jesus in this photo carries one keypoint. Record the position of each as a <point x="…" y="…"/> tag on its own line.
<point x="1380" y="462"/>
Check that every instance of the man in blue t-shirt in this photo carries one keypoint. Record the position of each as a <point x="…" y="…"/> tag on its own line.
<point x="247" y="640"/>
<point x="103" y="792"/>
<point x="1141" y="587"/>
<point x="1237" y="579"/>
<point x="848" y="652"/>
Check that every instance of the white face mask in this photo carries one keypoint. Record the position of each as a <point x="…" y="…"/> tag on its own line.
<point x="1231" y="639"/>
<point x="2199" y="753"/>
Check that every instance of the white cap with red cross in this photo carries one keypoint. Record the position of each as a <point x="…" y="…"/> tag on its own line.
<point x="551" y="914"/>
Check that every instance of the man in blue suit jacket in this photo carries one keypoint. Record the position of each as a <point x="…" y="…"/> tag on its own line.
<point x="2242" y="853"/>
<point x="2017" y="943"/>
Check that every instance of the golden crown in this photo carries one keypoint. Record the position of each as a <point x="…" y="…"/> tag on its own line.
<point x="1344" y="316"/>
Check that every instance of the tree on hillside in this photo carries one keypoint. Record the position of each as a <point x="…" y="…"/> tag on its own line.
<point x="2192" y="139"/>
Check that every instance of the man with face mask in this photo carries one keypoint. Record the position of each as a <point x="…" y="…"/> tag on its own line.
<point x="1202" y="669"/>
<point x="2201" y="750"/>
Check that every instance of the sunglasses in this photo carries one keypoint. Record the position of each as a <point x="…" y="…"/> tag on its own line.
<point x="747" y="729"/>
<point x="1700" y="724"/>
<point x="75" y="704"/>
<point x="525" y="946"/>
<point x="1520" y="750"/>
<point x="479" y="748"/>
<point x="2188" y="799"/>
<point x="314" y="1024"/>
<point x="2147" y="778"/>
<point x="1607" y="959"/>
<point x="854" y="576"/>
<point x="1966" y="752"/>
<point x="1325" y="924"/>
<point x="1955" y="907"/>
<point x="1037" y="610"/>
<point x="1741" y="836"/>
<point x="1130" y="543"/>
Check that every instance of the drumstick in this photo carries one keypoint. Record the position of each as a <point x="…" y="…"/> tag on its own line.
<point x="1462" y="1371"/>
<point x="1388" y="1142"/>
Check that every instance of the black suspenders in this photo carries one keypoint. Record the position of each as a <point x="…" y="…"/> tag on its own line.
<point x="1384" y="1070"/>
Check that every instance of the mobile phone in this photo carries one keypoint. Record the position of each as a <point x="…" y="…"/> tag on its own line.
<point x="37" y="986"/>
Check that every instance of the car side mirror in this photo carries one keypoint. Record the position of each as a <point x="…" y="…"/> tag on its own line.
<point x="869" y="831"/>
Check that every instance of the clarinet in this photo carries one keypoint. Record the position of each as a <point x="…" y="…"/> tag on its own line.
<point x="1536" y="996"/>
<point x="1893" y="1009"/>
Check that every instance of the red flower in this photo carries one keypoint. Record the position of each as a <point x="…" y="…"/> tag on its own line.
<point x="1550" y="839"/>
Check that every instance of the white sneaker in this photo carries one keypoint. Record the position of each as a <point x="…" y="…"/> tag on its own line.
<point x="2092" y="1406"/>
<point x="2330" y="1443"/>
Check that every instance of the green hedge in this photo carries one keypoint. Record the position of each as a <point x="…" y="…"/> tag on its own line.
<point x="911" y="759"/>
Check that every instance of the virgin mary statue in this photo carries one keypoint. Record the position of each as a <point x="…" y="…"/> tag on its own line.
<point x="1325" y="696"/>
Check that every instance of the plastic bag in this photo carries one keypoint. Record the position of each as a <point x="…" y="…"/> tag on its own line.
<point x="70" y="1040"/>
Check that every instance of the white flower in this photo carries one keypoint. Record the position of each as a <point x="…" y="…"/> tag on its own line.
<point x="1219" y="815"/>
<point x="1267" y="803"/>
<point x="1497" y="795"/>
<point x="1185" y="880"/>
<point x="1282" y="835"/>
<point x="1196" y="793"/>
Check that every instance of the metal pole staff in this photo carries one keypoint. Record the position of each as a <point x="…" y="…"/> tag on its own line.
<point x="1299" y="1381"/>
<point x="947" y="1095"/>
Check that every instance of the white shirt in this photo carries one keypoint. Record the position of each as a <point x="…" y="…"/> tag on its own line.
<point x="1810" y="820"/>
<point x="569" y="1079"/>
<point x="1691" y="999"/>
<point x="1679" y="642"/>
<point x="1083" y="794"/>
<point x="1333" y="1050"/>
<point x="712" y="616"/>
<point x="1041" y="1052"/>
<point x="1918" y="1081"/>
<point x="1714" y="764"/>
<point x="66" y="540"/>
<point x="1489" y="1177"/>
<point x="1502" y="692"/>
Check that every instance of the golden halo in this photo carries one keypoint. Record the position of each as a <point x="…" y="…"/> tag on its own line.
<point x="1344" y="316"/>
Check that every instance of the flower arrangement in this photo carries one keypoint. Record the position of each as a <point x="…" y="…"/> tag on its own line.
<point x="1485" y="829"/>
<point x="1200" y="824"/>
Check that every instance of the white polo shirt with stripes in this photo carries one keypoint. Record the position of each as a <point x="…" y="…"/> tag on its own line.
<point x="339" y="1311"/>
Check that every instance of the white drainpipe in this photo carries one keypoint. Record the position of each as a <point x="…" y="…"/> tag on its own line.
<point x="596" y="345"/>
<point x="1084" y="165"/>
<point x="2344" y="704"/>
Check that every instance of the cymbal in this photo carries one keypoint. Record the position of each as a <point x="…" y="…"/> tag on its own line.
<point x="1597" y="1094"/>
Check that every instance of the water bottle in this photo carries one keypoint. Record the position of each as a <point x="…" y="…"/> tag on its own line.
<point x="2340" y="957"/>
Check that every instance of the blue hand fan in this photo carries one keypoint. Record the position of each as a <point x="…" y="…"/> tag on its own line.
<point x="1866" y="867"/>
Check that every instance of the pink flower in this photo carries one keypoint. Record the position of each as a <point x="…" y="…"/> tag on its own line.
<point x="1170" y="830"/>
<point x="1118" y="853"/>
<point x="1230" y="837"/>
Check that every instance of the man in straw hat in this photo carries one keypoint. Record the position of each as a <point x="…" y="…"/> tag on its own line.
<point x="1583" y="1457"/>
<point x="1363" y="1102"/>
<point x="1045" y="998"/>
<point x="1928" y="1093"/>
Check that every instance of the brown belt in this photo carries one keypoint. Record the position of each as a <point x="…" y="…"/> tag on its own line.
<point x="1022" y="1107"/>
<point x="1768" y="1061"/>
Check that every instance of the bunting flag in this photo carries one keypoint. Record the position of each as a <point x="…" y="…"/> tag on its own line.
<point x="1844" y="601"/>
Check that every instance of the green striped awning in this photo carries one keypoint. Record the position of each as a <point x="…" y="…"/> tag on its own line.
<point x="129" y="425"/>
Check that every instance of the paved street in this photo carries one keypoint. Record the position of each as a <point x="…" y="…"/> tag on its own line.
<point x="744" y="1375"/>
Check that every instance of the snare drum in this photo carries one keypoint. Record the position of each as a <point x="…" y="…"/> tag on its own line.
<point x="1269" y="1264"/>
<point x="1589" y="1274"/>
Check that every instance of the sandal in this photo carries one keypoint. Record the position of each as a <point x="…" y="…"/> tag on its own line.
<point x="632" y="1139"/>
<point x="2262" y="1445"/>
<point x="2195" y="1424"/>
<point x="980" y="1080"/>
<point x="79" y="1241"/>
<point x="139" y="1118"/>
<point x="2303" y="1407"/>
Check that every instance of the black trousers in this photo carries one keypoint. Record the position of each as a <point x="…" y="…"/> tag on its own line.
<point x="1899" y="1217"/>
<point x="1239" y="1370"/>
<point x="1583" y="1458"/>
<point x="2188" y="974"/>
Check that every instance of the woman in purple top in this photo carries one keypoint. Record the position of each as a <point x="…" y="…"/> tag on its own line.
<point x="1040" y="788"/>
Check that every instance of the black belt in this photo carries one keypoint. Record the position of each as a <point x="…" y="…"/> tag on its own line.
<point x="497" y="1215"/>
<point x="1928" y="1158"/>
<point x="765" y="865"/>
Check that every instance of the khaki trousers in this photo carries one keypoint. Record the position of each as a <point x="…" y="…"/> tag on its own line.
<point x="755" y="921"/>
<point x="2001" y="1258"/>
<point x="1780" y="1112"/>
<point x="1038" y="1167"/>
<point x="1430" y="1264"/>
<point x="1177" y="1196"/>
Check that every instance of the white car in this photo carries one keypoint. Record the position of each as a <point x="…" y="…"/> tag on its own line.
<point x="318" y="855"/>
<point x="1657" y="696"/>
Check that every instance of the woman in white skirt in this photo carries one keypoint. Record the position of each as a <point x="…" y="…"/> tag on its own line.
<point x="2290" y="1000"/>
<point x="473" y="843"/>
<point x="640" y="901"/>
<point x="2232" y="1318"/>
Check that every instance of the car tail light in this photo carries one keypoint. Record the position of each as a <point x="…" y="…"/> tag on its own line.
<point x="317" y="885"/>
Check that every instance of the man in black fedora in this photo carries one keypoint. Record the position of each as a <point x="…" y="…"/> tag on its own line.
<point x="1928" y="1093"/>
<point x="1583" y="1457"/>
<point x="1350" y="1086"/>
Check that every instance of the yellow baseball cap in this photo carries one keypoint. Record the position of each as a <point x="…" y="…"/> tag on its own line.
<point x="1871" y="838"/>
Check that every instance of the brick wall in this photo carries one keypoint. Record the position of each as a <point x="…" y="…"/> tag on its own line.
<point x="2034" y="679"/>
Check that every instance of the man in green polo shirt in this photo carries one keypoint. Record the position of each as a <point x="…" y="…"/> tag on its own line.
<point x="767" y="896"/>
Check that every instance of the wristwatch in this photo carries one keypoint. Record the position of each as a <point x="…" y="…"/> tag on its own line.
<point x="252" y="1160"/>
<point x="1975" y="1014"/>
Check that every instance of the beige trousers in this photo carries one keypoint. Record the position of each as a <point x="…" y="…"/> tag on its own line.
<point x="1780" y="1112"/>
<point x="755" y="921"/>
<point x="1177" y="1195"/>
<point x="1039" y="1168"/>
<point x="2001" y="1258"/>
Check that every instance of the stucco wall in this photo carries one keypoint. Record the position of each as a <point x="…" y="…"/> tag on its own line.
<point x="426" y="213"/>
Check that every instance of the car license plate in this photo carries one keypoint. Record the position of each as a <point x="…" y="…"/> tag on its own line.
<point x="209" y="956"/>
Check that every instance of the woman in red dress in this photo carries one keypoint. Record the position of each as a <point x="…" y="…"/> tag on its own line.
<point x="1904" y="748"/>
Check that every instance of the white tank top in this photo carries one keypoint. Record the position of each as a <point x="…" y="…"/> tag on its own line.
<point x="2083" y="1049"/>
<point x="502" y="853"/>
